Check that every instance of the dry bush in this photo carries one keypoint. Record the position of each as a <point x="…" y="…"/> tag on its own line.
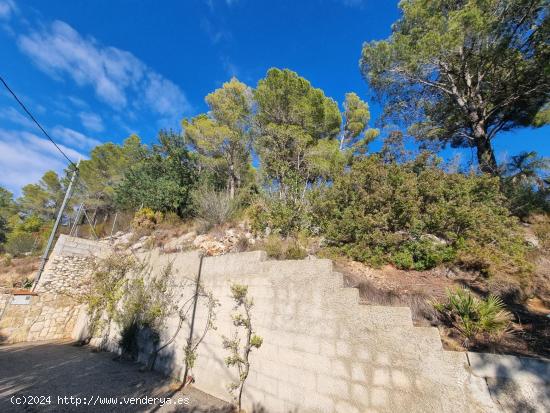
<point x="24" y="269"/>
<point x="7" y="260"/>
<point x="145" y="221"/>
<point x="541" y="228"/>
<point x="282" y="248"/>
<point x="170" y="220"/>
<point x="419" y="304"/>
<point x="242" y="244"/>
<point x="214" y="208"/>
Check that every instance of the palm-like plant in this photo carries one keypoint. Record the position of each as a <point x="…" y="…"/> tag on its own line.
<point x="473" y="317"/>
<point x="529" y="168"/>
<point x="493" y="318"/>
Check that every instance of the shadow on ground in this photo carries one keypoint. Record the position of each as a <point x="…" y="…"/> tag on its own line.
<point x="60" y="369"/>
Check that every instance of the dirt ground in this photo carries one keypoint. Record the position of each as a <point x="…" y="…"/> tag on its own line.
<point x="390" y="286"/>
<point x="59" y="369"/>
<point x="17" y="272"/>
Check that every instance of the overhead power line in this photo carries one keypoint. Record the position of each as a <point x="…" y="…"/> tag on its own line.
<point x="35" y="121"/>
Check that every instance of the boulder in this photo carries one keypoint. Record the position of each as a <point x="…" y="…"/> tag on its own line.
<point x="201" y="239"/>
<point x="212" y="248"/>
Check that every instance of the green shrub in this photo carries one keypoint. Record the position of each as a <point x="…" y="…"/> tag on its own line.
<point x="421" y="255"/>
<point x="475" y="317"/>
<point x="415" y="215"/>
<point x="403" y="260"/>
<point x="105" y="289"/>
<point x="281" y="216"/>
<point x="20" y="243"/>
<point x="32" y="223"/>
<point x="162" y="179"/>
<point x="4" y="230"/>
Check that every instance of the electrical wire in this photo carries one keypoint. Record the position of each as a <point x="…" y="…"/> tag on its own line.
<point x="35" y="121"/>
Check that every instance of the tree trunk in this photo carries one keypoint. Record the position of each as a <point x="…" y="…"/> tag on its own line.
<point x="232" y="184"/>
<point x="485" y="154"/>
<point x="232" y="180"/>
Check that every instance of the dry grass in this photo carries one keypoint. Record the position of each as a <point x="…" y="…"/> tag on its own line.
<point x="17" y="272"/>
<point x="421" y="309"/>
<point x="242" y="244"/>
<point x="281" y="248"/>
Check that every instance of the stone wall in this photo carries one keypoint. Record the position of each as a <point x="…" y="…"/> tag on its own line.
<point x="49" y="316"/>
<point x="53" y="311"/>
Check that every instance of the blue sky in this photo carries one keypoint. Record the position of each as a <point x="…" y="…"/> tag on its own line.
<point x="97" y="71"/>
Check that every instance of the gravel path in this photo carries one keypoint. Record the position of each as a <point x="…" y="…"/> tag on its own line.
<point x="52" y="372"/>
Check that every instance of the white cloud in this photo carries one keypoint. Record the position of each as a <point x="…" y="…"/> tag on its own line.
<point x="24" y="157"/>
<point x="230" y="68"/>
<point x="11" y="114"/>
<point x="73" y="138"/>
<point x="210" y="3"/>
<point x="91" y="121"/>
<point x="77" y="102"/>
<point x="7" y="8"/>
<point x="117" y="76"/>
<point x="215" y="33"/>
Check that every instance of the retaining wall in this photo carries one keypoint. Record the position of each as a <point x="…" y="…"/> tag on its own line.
<point x="322" y="351"/>
<point x="53" y="311"/>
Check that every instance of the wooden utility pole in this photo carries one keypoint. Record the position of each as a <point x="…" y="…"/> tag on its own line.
<point x="54" y="229"/>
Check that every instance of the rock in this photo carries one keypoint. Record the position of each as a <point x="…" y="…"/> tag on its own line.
<point x="140" y="245"/>
<point x="434" y="239"/>
<point x="532" y="240"/>
<point x="212" y="248"/>
<point x="201" y="239"/>
<point x="188" y="237"/>
<point x="180" y="242"/>
<point x="124" y="239"/>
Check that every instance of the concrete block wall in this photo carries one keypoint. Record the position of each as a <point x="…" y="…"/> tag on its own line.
<point x="322" y="351"/>
<point x="67" y="246"/>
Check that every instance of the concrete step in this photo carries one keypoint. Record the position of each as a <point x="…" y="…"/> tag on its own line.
<point x="339" y="277"/>
<point x="297" y="268"/>
<point x="344" y="297"/>
<point x="386" y="317"/>
<point x="426" y="338"/>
